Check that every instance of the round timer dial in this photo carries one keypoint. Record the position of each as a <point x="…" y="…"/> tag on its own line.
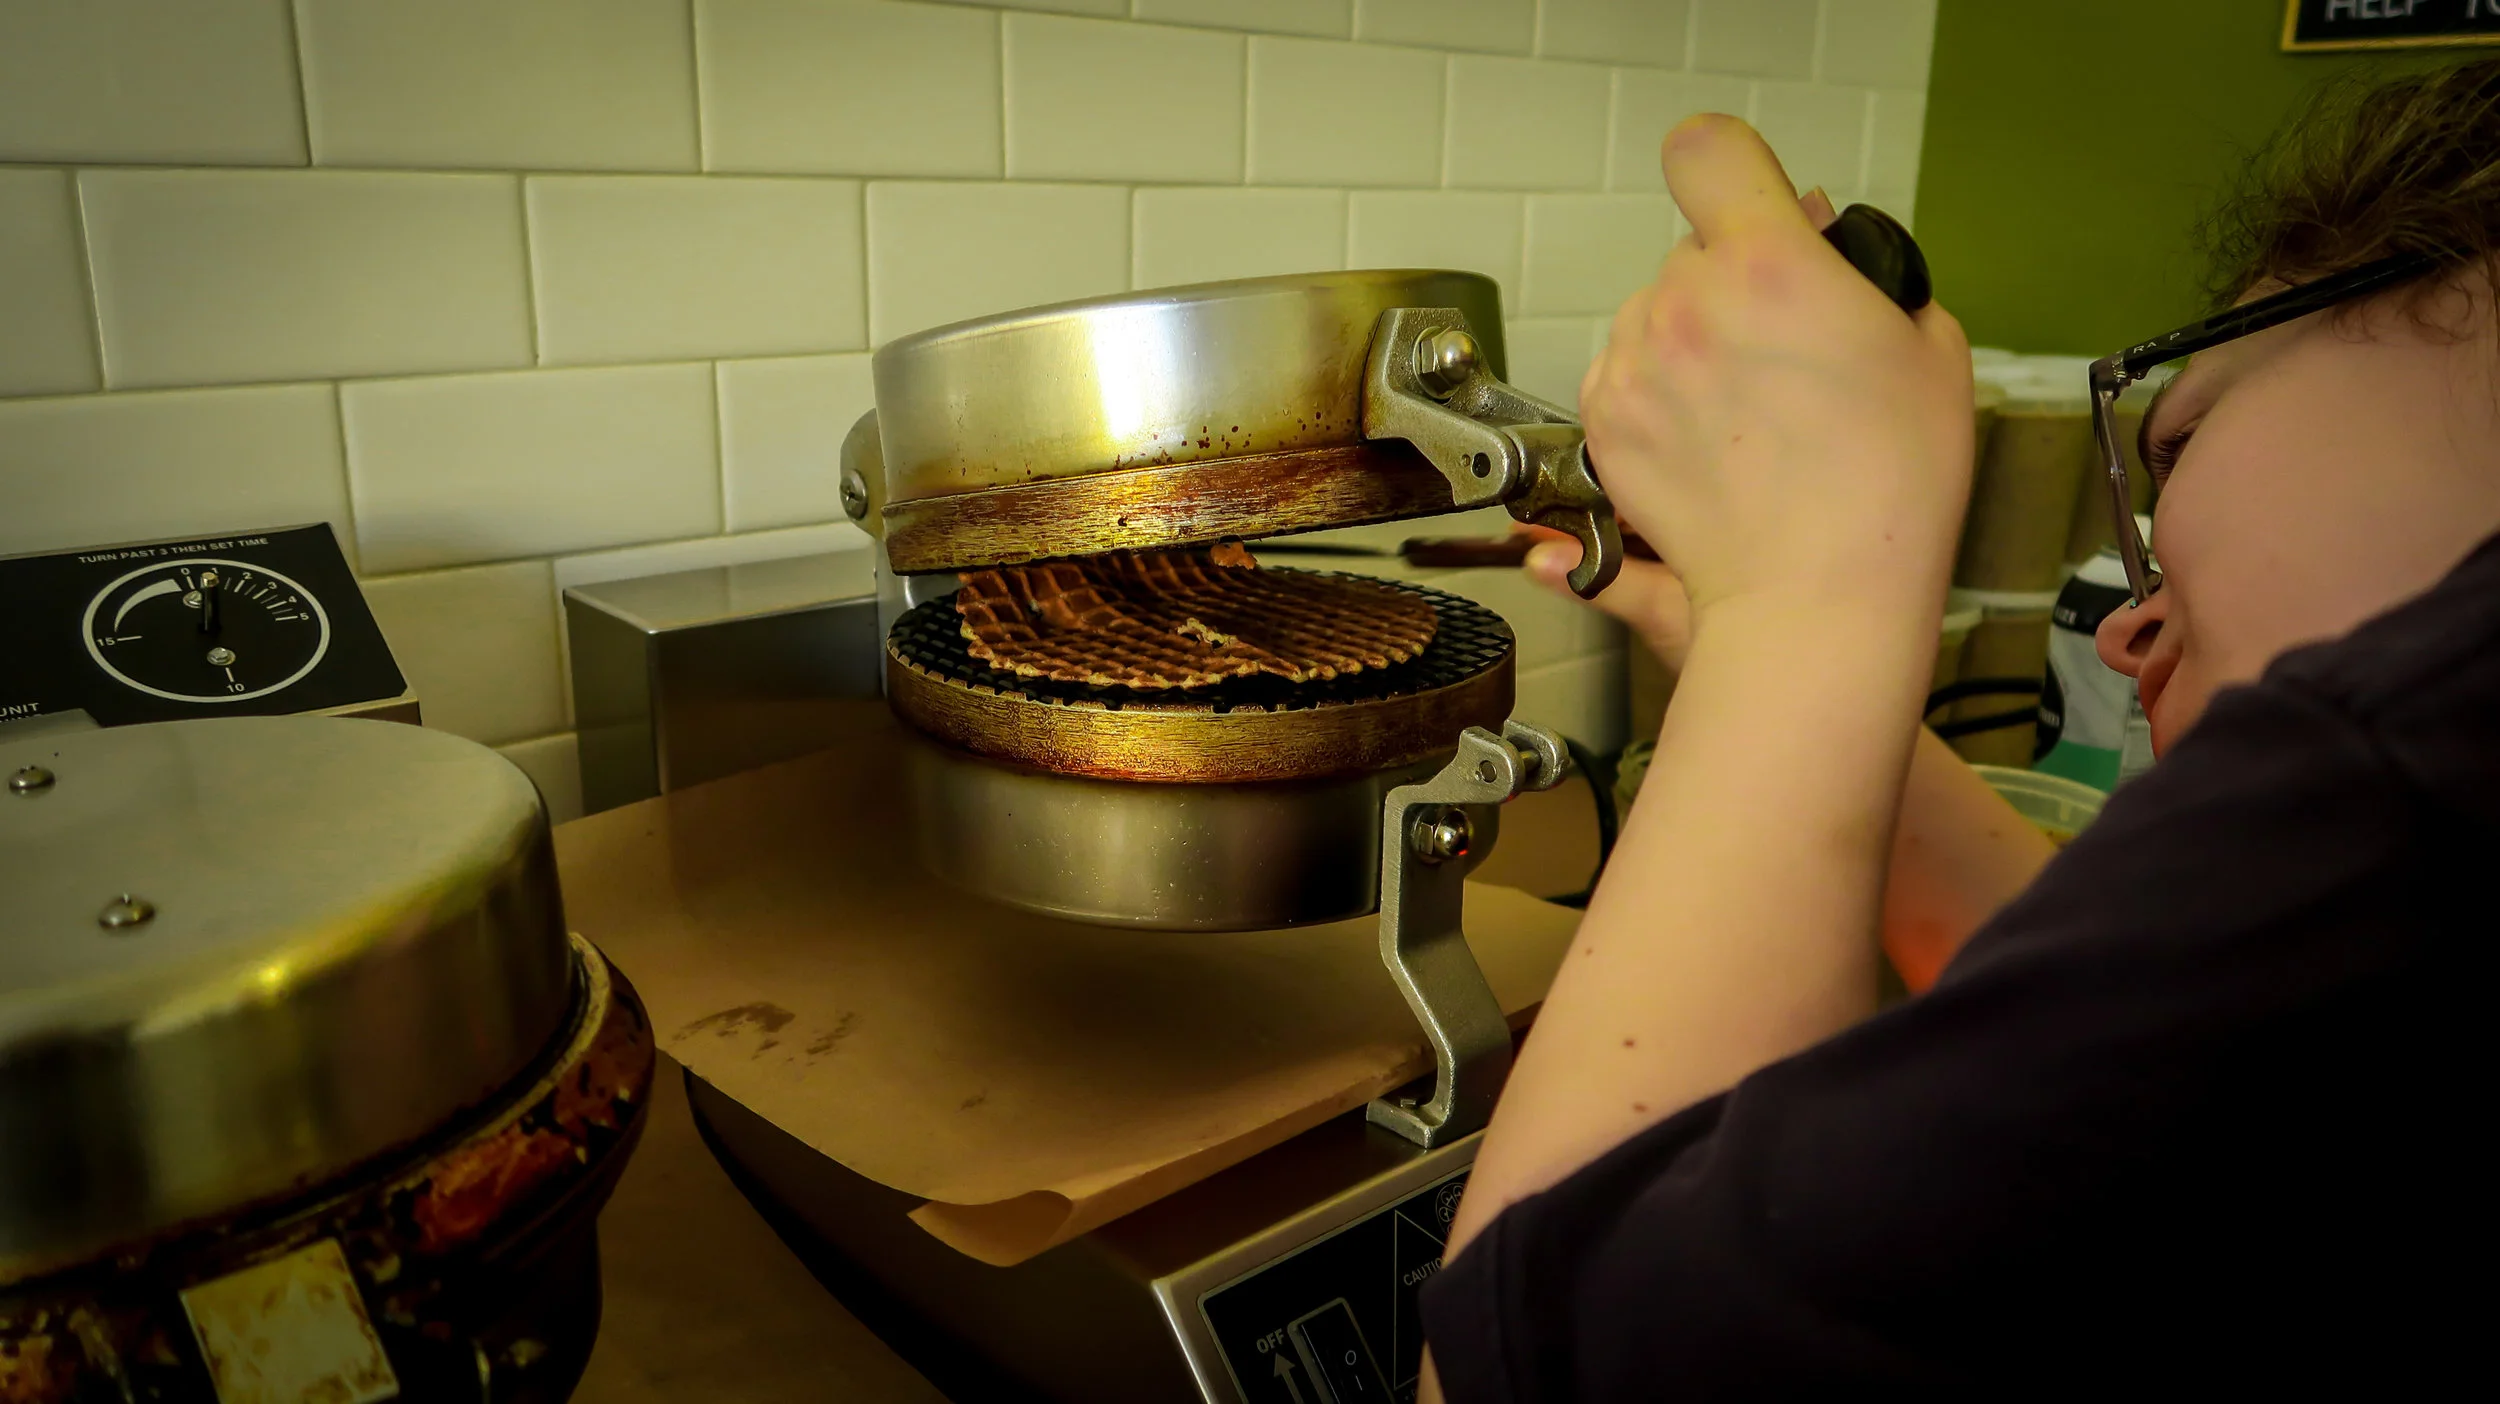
<point x="206" y="630"/>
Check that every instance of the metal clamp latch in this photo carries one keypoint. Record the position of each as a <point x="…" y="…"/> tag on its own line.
<point x="1425" y="830"/>
<point x="1426" y="383"/>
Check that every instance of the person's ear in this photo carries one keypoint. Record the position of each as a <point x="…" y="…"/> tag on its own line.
<point x="2125" y="638"/>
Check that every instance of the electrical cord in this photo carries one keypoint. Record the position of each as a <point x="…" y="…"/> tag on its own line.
<point x="1600" y="771"/>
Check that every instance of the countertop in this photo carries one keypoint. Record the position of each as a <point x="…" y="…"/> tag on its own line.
<point x="704" y="1302"/>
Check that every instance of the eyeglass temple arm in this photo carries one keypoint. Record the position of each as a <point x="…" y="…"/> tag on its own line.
<point x="2111" y="375"/>
<point x="2108" y="378"/>
<point x="2251" y="317"/>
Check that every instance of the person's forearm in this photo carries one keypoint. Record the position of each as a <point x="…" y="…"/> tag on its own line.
<point x="1959" y="854"/>
<point x="1736" y="922"/>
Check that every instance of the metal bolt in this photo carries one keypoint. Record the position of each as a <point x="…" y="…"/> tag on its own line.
<point x="1444" y="360"/>
<point x="220" y="657"/>
<point x="854" y="494"/>
<point x="1442" y="834"/>
<point x="126" y="911"/>
<point x="30" y="779"/>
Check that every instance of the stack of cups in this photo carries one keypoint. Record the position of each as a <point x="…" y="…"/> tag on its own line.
<point x="2034" y="464"/>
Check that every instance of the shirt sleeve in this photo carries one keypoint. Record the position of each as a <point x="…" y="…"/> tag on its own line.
<point x="1945" y="1191"/>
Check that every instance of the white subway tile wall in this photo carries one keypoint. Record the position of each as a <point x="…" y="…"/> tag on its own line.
<point x="517" y="294"/>
<point x="217" y="276"/>
<point x="1331" y="19"/>
<point x="1199" y="234"/>
<point x="600" y="85"/>
<point x="1380" y="125"/>
<point x="781" y="428"/>
<point x="1525" y="124"/>
<point x="1620" y="31"/>
<point x="1587" y="253"/>
<point x="654" y="268"/>
<point x="849" y="87"/>
<point x="49" y="345"/>
<point x="1105" y="100"/>
<point x="1489" y="26"/>
<point x="1648" y="103"/>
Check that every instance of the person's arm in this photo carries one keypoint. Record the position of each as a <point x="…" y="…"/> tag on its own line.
<point x="1798" y="450"/>
<point x="1959" y="851"/>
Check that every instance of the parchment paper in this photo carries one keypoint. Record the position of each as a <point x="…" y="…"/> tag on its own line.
<point x="1030" y="1078"/>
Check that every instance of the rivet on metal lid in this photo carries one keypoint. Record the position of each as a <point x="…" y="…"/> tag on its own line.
<point x="30" y="779"/>
<point x="126" y="911"/>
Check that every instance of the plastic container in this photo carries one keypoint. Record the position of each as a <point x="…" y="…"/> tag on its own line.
<point x="2010" y="641"/>
<point x="1951" y="640"/>
<point x="2083" y="701"/>
<point x="2061" y="808"/>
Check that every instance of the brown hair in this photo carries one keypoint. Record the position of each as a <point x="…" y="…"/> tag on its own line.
<point x="2406" y="165"/>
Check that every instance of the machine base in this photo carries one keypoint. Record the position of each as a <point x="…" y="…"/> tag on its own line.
<point x="1288" y="1278"/>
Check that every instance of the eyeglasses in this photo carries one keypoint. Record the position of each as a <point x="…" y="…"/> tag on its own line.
<point x="2113" y="374"/>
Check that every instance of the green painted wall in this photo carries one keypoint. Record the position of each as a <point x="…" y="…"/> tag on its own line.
<point x="2071" y="148"/>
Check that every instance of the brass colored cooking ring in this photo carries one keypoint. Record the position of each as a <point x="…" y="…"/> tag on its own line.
<point x="1160" y="505"/>
<point x="1191" y="747"/>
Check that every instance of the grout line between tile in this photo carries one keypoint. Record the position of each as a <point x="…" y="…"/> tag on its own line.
<point x="1449" y="117"/>
<point x="1614" y="122"/>
<point x="720" y="460"/>
<point x="88" y="284"/>
<point x="720" y="442"/>
<point x="529" y="270"/>
<point x="1866" y="140"/>
<point x="1006" y="130"/>
<point x="303" y="84"/>
<point x="694" y="76"/>
<point x="355" y="544"/>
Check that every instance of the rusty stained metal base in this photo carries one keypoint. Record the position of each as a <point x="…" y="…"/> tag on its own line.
<point x="476" y="1257"/>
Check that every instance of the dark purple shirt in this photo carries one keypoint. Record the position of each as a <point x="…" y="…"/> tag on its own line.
<point x="2197" y="1111"/>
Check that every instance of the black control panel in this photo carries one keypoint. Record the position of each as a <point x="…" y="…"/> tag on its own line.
<point x="1334" y="1322"/>
<point x="252" y="623"/>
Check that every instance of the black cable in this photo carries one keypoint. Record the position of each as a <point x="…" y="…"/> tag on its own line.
<point x="1972" y="726"/>
<point x="1967" y="688"/>
<point x="1601" y="774"/>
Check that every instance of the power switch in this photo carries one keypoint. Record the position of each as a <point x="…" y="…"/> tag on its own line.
<point x="1334" y="1352"/>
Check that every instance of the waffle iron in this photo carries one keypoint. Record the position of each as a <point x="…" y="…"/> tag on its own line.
<point x="1183" y="417"/>
<point x="1186" y="417"/>
<point x="305" y="1090"/>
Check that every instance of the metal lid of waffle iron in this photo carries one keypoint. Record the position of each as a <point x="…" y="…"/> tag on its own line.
<point x="242" y="955"/>
<point x="1168" y="417"/>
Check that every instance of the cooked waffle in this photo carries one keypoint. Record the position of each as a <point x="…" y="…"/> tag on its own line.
<point x="1184" y="619"/>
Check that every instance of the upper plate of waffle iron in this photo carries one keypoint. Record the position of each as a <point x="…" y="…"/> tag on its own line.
<point x="1170" y="417"/>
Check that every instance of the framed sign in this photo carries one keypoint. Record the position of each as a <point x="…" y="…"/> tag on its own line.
<point x="2310" y="25"/>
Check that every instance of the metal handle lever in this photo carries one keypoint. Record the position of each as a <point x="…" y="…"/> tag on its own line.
<point x="1426" y="830"/>
<point x="1876" y="245"/>
<point x="1426" y="383"/>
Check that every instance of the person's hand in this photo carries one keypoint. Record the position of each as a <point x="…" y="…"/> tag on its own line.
<point x="1646" y="596"/>
<point x="1775" y="424"/>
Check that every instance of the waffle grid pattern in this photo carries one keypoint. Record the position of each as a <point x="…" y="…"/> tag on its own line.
<point x="1186" y="619"/>
<point x="1468" y="639"/>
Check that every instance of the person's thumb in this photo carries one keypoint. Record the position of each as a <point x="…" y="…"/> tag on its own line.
<point x="1646" y="596"/>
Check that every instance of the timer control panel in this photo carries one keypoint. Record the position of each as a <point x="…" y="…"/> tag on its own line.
<point x="253" y="623"/>
<point x="1335" y="1321"/>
